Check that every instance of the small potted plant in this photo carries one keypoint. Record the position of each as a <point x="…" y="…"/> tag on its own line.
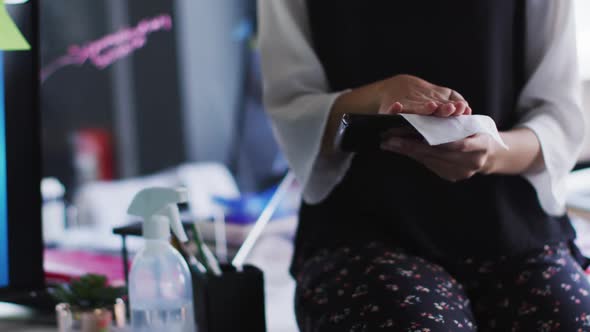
<point x="86" y="304"/>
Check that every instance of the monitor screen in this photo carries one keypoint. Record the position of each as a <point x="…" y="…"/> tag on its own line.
<point x="3" y="213"/>
<point x="21" y="267"/>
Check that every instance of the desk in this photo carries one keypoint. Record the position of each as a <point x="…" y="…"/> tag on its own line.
<point x="16" y="318"/>
<point x="272" y="254"/>
<point x="583" y="214"/>
<point x="22" y="328"/>
<point x="16" y="326"/>
<point x="581" y="221"/>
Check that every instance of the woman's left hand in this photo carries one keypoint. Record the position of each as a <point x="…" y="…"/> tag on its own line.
<point x="455" y="161"/>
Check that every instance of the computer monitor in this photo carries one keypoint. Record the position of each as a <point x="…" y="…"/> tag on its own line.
<point x="21" y="245"/>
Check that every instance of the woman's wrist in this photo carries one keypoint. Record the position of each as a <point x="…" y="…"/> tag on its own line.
<point x="524" y="153"/>
<point x="360" y="100"/>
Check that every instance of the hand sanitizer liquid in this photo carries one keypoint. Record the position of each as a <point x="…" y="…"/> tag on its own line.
<point x="160" y="291"/>
<point x="157" y="318"/>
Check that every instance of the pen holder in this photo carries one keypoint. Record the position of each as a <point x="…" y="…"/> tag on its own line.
<point x="231" y="302"/>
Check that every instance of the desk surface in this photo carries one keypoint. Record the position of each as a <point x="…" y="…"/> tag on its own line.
<point x="16" y="326"/>
<point x="584" y="214"/>
<point x="22" y="319"/>
<point x="272" y="254"/>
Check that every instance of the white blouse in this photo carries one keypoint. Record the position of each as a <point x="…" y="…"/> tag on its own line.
<point x="299" y="100"/>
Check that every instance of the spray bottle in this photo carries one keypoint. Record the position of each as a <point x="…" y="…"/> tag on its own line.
<point x="160" y="283"/>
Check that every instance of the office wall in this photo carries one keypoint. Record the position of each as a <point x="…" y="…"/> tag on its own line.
<point x="75" y="96"/>
<point x="212" y="59"/>
<point x="224" y="119"/>
<point x="191" y="94"/>
<point x="157" y="97"/>
<point x="586" y="105"/>
<point x="583" y="31"/>
<point x="142" y="86"/>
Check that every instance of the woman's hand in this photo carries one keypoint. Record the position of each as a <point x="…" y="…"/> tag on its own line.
<point x="398" y="94"/>
<point x="410" y="94"/>
<point x="455" y="161"/>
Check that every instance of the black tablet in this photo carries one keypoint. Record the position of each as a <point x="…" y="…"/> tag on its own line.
<point x="362" y="132"/>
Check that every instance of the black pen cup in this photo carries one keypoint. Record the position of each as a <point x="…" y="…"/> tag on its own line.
<point x="233" y="301"/>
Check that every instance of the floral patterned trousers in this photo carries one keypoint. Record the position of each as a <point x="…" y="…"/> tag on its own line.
<point x="377" y="288"/>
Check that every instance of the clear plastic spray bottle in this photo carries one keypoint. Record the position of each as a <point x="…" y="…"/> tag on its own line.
<point x="160" y="284"/>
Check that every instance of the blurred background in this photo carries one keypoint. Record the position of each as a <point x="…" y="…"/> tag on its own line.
<point x="189" y="93"/>
<point x="582" y="11"/>
<point x="144" y="93"/>
<point x="155" y="92"/>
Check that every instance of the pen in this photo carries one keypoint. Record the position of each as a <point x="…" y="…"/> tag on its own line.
<point x="207" y="258"/>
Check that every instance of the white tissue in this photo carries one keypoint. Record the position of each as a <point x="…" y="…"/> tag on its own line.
<point x="437" y="130"/>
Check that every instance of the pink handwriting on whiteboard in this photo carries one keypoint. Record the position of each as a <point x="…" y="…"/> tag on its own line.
<point x="107" y="50"/>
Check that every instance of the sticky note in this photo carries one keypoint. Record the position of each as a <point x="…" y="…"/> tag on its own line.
<point x="11" y="39"/>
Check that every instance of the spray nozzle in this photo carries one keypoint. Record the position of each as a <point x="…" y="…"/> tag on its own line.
<point x="176" y="223"/>
<point x="153" y="203"/>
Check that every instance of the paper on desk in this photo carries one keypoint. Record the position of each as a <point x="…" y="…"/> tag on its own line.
<point x="437" y="130"/>
<point x="11" y="38"/>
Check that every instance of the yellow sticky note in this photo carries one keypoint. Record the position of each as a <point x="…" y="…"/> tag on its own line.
<point x="11" y="39"/>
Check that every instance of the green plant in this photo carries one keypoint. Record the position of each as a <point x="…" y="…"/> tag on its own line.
<point x="88" y="292"/>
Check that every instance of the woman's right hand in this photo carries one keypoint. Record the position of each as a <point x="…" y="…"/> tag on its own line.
<point x="410" y="94"/>
<point x="398" y="94"/>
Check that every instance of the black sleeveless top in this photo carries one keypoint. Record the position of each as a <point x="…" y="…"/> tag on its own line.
<point x="473" y="47"/>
